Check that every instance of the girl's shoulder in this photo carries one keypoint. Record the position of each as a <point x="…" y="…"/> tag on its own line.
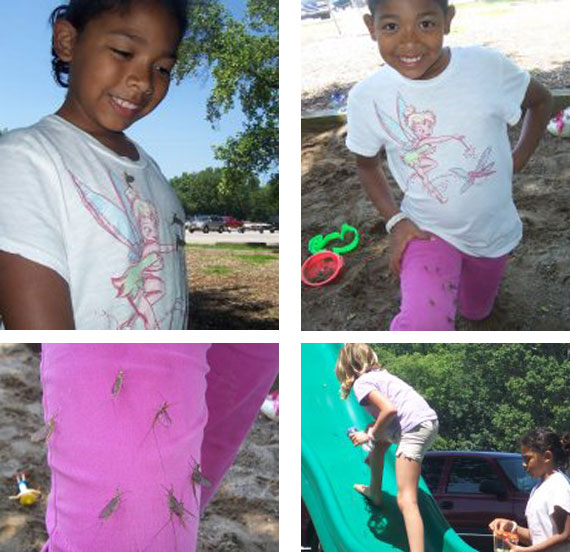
<point x="477" y="55"/>
<point x="27" y="145"/>
<point x="373" y="375"/>
<point x="372" y="85"/>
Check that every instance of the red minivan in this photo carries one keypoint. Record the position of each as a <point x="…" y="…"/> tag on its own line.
<point x="473" y="488"/>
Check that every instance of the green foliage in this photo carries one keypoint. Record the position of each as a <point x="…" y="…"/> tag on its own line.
<point x="203" y="193"/>
<point x="243" y="59"/>
<point x="486" y="395"/>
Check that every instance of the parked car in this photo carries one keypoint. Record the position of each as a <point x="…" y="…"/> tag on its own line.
<point x="230" y="223"/>
<point x="473" y="488"/>
<point x="470" y="488"/>
<point x="274" y="224"/>
<point x="206" y="223"/>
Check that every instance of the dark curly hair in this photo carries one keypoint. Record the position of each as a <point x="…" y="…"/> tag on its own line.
<point x="542" y="439"/>
<point x="373" y="4"/>
<point x="80" y="12"/>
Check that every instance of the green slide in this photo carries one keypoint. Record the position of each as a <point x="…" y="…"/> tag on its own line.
<point x="330" y="465"/>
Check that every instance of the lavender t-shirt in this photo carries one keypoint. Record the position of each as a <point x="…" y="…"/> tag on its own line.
<point x="412" y="408"/>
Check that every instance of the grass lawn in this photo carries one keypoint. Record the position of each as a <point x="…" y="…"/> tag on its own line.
<point x="233" y="286"/>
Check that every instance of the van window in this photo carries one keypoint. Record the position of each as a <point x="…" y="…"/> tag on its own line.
<point x="431" y="471"/>
<point x="467" y="474"/>
<point x="515" y="472"/>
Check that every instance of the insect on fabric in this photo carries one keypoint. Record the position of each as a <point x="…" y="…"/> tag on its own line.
<point x="118" y="383"/>
<point x="112" y="505"/>
<point x="45" y="432"/>
<point x="198" y="478"/>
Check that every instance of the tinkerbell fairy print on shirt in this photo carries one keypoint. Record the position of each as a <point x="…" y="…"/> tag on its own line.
<point x="415" y="134"/>
<point x="134" y="221"/>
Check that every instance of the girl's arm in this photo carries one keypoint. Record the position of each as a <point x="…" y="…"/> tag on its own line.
<point x="376" y="186"/>
<point x="387" y="412"/>
<point x="538" y="105"/>
<point x="550" y="542"/>
<point x="33" y="297"/>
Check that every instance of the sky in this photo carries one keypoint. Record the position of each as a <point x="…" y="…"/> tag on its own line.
<point x="176" y="134"/>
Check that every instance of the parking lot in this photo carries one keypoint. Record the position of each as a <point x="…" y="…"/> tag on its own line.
<point x="250" y="236"/>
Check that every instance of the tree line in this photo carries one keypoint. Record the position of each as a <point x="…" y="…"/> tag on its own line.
<point x="203" y="193"/>
<point x="486" y="395"/>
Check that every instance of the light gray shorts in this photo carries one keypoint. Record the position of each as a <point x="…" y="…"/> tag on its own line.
<point x="415" y="443"/>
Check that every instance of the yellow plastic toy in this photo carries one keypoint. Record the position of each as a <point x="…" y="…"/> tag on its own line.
<point x="26" y="496"/>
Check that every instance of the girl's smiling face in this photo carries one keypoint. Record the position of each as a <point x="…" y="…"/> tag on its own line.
<point x="119" y="67"/>
<point x="410" y="35"/>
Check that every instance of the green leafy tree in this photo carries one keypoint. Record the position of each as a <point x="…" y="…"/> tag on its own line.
<point x="486" y="396"/>
<point x="201" y="193"/>
<point x="242" y="57"/>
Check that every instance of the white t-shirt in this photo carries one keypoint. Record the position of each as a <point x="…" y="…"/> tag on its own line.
<point x="111" y="227"/>
<point x="554" y="491"/>
<point x="447" y="145"/>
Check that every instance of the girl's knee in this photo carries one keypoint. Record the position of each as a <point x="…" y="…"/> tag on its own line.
<point x="407" y="501"/>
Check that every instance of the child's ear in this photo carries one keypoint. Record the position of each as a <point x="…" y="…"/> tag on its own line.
<point x="369" y="22"/>
<point x="548" y="456"/>
<point x="64" y="36"/>
<point x="448" y="18"/>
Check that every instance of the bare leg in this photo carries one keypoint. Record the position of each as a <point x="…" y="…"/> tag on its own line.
<point x="376" y="463"/>
<point x="407" y="475"/>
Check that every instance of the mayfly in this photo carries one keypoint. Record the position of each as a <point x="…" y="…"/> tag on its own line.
<point x="198" y="478"/>
<point x="118" y="384"/>
<point x="45" y="432"/>
<point x="163" y="418"/>
<point x="176" y="508"/>
<point x="162" y="415"/>
<point x="112" y="505"/>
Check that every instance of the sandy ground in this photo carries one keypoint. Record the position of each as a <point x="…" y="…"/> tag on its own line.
<point x="534" y="294"/>
<point x="243" y="516"/>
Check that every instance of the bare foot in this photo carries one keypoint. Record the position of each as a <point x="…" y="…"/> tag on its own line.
<point x="365" y="491"/>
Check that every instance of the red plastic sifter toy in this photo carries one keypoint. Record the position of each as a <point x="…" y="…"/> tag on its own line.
<point x="321" y="268"/>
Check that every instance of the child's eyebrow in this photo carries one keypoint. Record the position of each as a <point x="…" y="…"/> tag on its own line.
<point x="394" y="16"/>
<point x="140" y="40"/>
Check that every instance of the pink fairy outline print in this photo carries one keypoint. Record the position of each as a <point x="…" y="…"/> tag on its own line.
<point x="413" y="133"/>
<point x="135" y="223"/>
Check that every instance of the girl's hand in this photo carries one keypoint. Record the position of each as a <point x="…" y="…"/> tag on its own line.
<point x="359" y="438"/>
<point x="401" y="234"/>
<point x="500" y="524"/>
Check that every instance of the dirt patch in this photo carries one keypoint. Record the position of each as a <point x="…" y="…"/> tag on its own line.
<point x="233" y="289"/>
<point x="244" y="516"/>
<point x="534" y="294"/>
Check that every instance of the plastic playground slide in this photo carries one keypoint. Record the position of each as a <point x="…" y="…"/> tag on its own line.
<point x="330" y="465"/>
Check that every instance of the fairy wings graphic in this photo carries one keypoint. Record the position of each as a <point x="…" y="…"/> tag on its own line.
<point x="118" y="220"/>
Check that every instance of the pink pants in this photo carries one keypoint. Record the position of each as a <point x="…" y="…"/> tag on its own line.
<point x="129" y="425"/>
<point x="436" y="279"/>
